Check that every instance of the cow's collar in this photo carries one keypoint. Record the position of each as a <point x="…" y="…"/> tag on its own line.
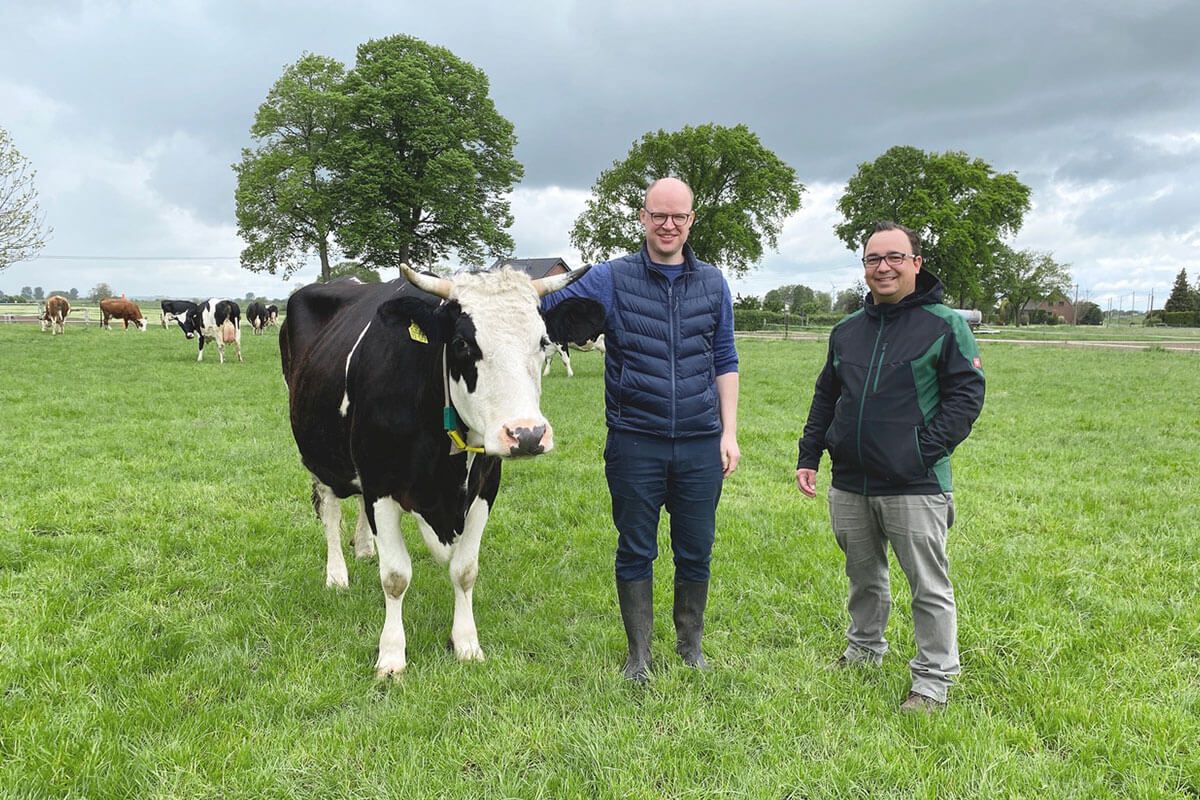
<point x="451" y="422"/>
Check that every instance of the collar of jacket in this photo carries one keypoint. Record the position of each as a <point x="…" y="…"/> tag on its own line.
<point x="928" y="291"/>
<point x="689" y="259"/>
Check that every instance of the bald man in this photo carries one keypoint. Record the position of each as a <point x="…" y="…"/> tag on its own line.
<point x="671" y="394"/>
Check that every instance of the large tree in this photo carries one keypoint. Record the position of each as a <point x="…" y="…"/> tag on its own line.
<point x="743" y="194"/>
<point x="286" y="208"/>
<point x="426" y="166"/>
<point x="1021" y="276"/>
<point x="23" y="230"/>
<point x="1181" y="295"/>
<point x="959" y="206"/>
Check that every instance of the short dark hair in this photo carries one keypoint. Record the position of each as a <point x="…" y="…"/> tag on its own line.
<point x="914" y="241"/>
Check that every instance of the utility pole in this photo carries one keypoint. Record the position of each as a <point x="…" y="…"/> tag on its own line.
<point x="1075" y="307"/>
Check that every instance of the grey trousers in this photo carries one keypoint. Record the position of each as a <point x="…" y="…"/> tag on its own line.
<point x="916" y="526"/>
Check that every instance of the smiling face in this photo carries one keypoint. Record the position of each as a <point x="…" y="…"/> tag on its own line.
<point x="670" y="197"/>
<point x="891" y="283"/>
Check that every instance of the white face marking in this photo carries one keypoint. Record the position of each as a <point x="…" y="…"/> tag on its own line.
<point x="509" y="333"/>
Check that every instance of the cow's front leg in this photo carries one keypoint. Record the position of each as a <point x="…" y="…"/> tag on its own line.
<point x="566" y="358"/>
<point x="329" y="511"/>
<point x="364" y="539"/>
<point x="464" y="568"/>
<point x="238" y="344"/>
<point x="201" y="356"/>
<point x="395" y="573"/>
<point x="220" y="348"/>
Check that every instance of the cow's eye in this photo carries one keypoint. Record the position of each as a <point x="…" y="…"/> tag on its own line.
<point x="461" y="348"/>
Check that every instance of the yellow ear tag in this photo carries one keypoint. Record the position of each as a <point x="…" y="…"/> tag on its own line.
<point x="416" y="334"/>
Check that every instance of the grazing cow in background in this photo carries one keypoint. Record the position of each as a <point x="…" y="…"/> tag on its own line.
<point x="379" y="375"/>
<point x="123" y="309"/>
<point x="272" y="315"/>
<point x="55" y="315"/>
<point x="175" y="310"/>
<point x="256" y="315"/>
<point x="218" y="320"/>
<point x="581" y="314"/>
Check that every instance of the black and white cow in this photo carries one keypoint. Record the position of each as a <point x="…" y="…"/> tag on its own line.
<point x="376" y="373"/>
<point x="175" y="310"/>
<point x="256" y="315"/>
<point x="218" y="320"/>
<point x="272" y="315"/>
<point x="560" y="328"/>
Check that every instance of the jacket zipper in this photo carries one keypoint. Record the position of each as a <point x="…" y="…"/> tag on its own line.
<point x="862" y="403"/>
<point x="671" y="356"/>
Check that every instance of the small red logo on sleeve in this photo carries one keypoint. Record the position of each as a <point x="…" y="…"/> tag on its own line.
<point x="978" y="364"/>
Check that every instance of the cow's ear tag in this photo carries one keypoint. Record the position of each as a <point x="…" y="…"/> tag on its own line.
<point x="416" y="334"/>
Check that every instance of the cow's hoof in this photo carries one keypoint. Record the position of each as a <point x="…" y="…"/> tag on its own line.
<point x="337" y="579"/>
<point x="363" y="551"/>
<point x="392" y="669"/>
<point x="468" y="649"/>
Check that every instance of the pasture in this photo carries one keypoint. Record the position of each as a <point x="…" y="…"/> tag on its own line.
<point x="166" y="631"/>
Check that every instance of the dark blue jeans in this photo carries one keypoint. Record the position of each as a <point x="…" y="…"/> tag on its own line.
<point x="646" y="473"/>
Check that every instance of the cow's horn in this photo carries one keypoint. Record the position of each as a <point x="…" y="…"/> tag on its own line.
<point x="427" y="283"/>
<point x="545" y="286"/>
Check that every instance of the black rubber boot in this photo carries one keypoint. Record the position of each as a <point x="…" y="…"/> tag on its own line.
<point x="690" y="600"/>
<point x="637" y="612"/>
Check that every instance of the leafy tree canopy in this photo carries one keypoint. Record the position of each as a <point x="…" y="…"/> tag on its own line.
<point x="743" y="193"/>
<point x="426" y="165"/>
<point x="850" y="300"/>
<point x="286" y="208"/>
<point x="748" y="303"/>
<point x="1181" y="295"/>
<point x="1022" y="276"/>
<point x="960" y="207"/>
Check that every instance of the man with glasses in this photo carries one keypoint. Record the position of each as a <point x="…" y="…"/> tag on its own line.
<point x="670" y="394"/>
<point x="901" y="388"/>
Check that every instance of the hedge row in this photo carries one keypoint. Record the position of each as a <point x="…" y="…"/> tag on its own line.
<point x="745" y="319"/>
<point x="1181" y="319"/>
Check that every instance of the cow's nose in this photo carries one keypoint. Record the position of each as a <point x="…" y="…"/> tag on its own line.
<point x="528" y="440"/>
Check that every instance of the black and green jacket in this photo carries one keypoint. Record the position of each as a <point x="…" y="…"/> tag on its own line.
<point x="900" y="390"/>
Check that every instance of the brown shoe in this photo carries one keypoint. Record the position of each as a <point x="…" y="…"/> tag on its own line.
<point x="919" y="703"/>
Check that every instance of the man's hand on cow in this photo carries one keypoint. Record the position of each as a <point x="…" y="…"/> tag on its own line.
<point x="806" y="481"/>
<point x="731" y="454"/>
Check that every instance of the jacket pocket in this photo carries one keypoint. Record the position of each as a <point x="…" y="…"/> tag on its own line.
<point x="892" y="451"/>
<point x="840" y="444"/>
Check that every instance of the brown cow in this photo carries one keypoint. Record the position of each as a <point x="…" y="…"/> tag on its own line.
<point x="125" y="310"/>
<point x="55" y="316"/>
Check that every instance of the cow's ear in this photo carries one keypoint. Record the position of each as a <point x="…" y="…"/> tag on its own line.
<point x="580" y="319"/>
<point x="418" y="319"/>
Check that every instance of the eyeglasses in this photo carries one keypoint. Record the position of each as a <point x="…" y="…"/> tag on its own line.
<point x="892" y="259"/>
<point x="660" y="219"/>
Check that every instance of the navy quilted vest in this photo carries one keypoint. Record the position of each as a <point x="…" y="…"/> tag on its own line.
<point x="659" y="376"/>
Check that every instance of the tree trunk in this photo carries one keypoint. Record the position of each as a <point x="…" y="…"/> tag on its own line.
<point x="323" y="250"/>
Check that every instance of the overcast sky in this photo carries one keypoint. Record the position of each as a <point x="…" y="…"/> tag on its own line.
<point x="133" y="112"/>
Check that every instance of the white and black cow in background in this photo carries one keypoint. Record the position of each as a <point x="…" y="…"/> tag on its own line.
<point x="272" y="315"/>
<point x="256" y="315"/>
<point x="218" y="320"/>
<point x="580" y="310"/>
<point x="375" y="373"/>
<point x="175" y="310"/>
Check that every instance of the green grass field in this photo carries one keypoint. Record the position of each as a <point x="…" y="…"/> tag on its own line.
<point x="166" y="631"/>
